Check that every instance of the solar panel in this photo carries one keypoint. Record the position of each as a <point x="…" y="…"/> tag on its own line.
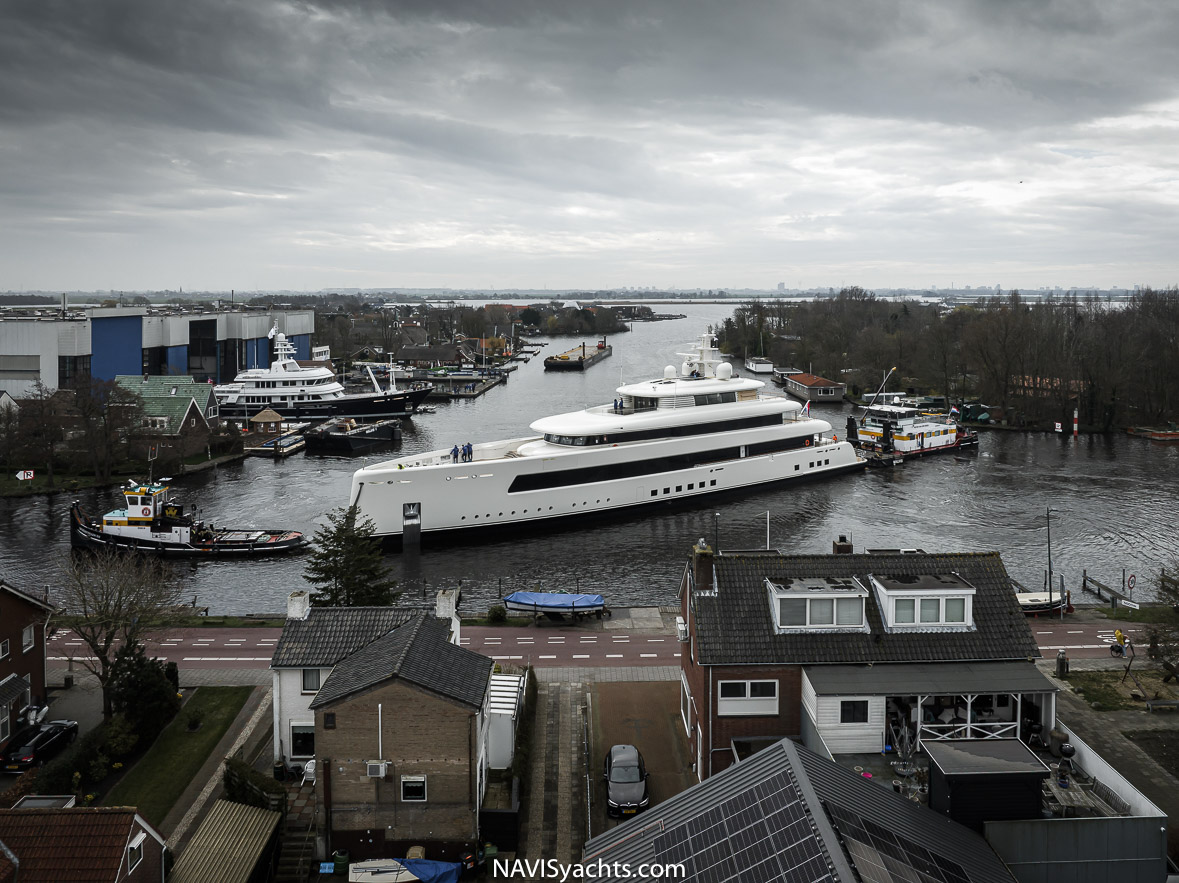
<point x="882" y="856"/>
<point x="763" y="834"/>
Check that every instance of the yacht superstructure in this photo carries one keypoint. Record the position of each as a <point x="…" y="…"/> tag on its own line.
<point x="300" y="392"/>
<point x="698" y="431"/>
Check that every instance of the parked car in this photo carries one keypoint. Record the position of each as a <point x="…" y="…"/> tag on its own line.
<point x="33" y="745"/>
<point x="626" y="781"/>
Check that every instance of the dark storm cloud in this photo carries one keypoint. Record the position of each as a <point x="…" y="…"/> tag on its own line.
<point x="665" y="134"/>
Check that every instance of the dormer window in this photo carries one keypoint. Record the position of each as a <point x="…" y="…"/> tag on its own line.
<point x="812" y="604"/>
<point x="930" y="602"/>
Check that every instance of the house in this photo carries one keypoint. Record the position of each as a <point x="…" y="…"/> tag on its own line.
<point x="401" y="730"/>
<point x="178" y="413"/>
<point x="23" y="618"/>
<point x="313" y="641"/>
<point x="442" y="355"/>
<point x="788" y="815"/>
<point x="91" y="843"/>
<point x="853" y="653"/>
<point x="813" y="388"/>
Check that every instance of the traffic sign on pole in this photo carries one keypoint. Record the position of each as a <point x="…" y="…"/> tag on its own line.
<point x="25" y="475"/>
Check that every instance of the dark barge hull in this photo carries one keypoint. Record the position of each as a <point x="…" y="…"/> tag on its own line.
<point x="322" y="440"/>
<point x="371" y="406"/>
<point x="84" y="534"/>
<point x="576" y="363"/>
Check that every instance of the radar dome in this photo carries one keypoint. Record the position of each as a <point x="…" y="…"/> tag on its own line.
<point x="669" y="372"/>
<point x="724" y="371"/>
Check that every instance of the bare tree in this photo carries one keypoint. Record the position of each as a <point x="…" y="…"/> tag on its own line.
<point x="111" y="600"/>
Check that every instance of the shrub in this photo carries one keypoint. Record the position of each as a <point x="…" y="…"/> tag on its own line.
<point x="172" y="673"/>
<point x="68" y="772"/>
<point x="121" y="738"/>
<point x="244" y="784"/>
<point x="99" y="767"/>
<point x="141" y="691"/>
<point x="497" y="614"/>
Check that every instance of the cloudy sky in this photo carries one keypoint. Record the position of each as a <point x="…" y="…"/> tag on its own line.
<point x="263" y="144"/>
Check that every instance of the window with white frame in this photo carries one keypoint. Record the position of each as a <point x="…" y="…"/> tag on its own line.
<point x="135" y="852"/>
<point x="685" y="703"/>
<point x="413" y="789"/>
<point x="935" y="601"/>
<point x="818" y="604"/>
<point x="4" y="648"/>
<point x="311" y="680"/>
<point x="5" y="722"/>
<point x="853" y="711"/>
<point x="931" y="611"/>
<point x="28" y="637"/>
<point x="747" y="698"/>
<point x="302" y="740"/>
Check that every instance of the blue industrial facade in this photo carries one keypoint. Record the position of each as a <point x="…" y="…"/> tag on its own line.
<point x="302" y="344"/>
<point x="178" y="359"/>
<point x="257" y="353"/>
<point x="116" y="345"/>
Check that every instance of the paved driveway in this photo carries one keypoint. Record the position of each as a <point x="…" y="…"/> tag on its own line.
<point x="645" y="714"/>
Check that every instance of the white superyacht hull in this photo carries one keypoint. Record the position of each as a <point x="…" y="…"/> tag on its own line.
<point x="497" y="490"/>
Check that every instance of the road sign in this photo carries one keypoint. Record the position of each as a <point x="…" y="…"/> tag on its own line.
<point x="1133" y="605"/>
<point x="1059" y="427"/>
<point x="1130" y="582"/>
<point x="25" y="475"/>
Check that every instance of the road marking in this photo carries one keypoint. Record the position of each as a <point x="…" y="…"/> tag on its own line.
<point x="546" y="657"/>
<point x="73" y="643"/>
<point x="491" y="640"/>
<point x="648" y="655"/>
<point x="1077" y="632"/>
<point x="581" y="656"/>
<point x="588" y="640"/>
<point x="1045" y="633"/>
<point x="524" y="640"/>
<point x="464" y="640"/>
<point x="556" y="640"/>
<point x="507" y="657"/>
<point x="1077" y="647"/>
<point x="675" y="654"/>
<point x="621" y="639"/>
<point x="613" y="655"/>
<point x="655" y="640"/>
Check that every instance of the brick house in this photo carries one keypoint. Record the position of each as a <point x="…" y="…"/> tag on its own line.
<point x="401" y="744"/>
<point x="314" y="640"/>
<point x="93" y="843"/>
<point x="179" y="414"/>
<point x="22" y="655"/>
<point x="847" y="652"/>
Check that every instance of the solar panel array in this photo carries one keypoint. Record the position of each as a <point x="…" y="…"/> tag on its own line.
<point x="764" y="834"/>
<point x="881" y="856"/>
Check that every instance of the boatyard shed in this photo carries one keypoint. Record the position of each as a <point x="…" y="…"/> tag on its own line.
<point x="401" y="729"/>
<point x="813" y="388"/>
<point x="787" y="815"/>
<point x="22" y="655"/>
<point x="854" y="653"/>
<point x="313" y="641"/>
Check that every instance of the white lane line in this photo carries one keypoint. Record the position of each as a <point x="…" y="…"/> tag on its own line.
<point x="621" y="639"/>
<point x="73" y="643"/>
<point x="581" y="656"/>
<point x="589" y="640"/>
<point x="1045" y="633"/>
<point x="464" y="640"/>
<point x="613" y="655"/>
<point x="1077" y="647"/>
<point x="491" y="640"/>
<point x="1077" y="632"/>
<point x="655" y="640"/>
<point x="648" y="655"/>
<point x="556" y="640"/>
<point x="675" y="654"/>
<point x="524" y="640"/>
<point x="546" y="657"/>
<point x="507" y="657"/>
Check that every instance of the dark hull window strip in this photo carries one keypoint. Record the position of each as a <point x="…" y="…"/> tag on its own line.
<point x="655" y="466"/>
<point x="666" y="432"/>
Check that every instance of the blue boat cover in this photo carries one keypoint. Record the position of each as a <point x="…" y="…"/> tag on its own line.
<point x="432" y="872"/>
<point x="556" y="600"/>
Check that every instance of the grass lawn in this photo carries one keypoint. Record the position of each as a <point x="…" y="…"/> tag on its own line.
<point x="1149" y="613"/>
<point x="1106" y="691"/>
<point x="158" y="779"/>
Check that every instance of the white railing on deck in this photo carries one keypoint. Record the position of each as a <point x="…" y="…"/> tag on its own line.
<point x="992" y="730"/>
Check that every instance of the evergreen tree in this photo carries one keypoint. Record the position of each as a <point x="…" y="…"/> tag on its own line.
<point x="141" y="692"/>
<point x="346" y="565"/>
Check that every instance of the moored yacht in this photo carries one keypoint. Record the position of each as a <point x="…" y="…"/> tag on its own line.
<point x="890" y="434"/>
<point x="309" y="393"/>
<point x="701" y="430"/>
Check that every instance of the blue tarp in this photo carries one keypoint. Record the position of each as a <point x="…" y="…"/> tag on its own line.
<point x="556" y="600"/>
<point x="432" y="872"/>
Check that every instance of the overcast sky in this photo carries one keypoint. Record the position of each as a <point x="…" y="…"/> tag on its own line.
<point x="262" y="144"/>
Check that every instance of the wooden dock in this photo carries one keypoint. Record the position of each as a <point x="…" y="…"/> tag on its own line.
<point x="276" y="446"/>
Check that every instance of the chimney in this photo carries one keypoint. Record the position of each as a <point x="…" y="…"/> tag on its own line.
<point x="298" y="605"/>
<point x="702" y="566"/>
<point x="841" y="546"/>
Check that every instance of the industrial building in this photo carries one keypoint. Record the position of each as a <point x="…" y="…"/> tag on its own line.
<point x="63" y="347"/>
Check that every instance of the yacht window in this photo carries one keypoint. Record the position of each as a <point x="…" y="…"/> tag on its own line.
<point x="715" y="398"/>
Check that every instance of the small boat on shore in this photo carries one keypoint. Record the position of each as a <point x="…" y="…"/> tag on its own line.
<point x="552" y="603"/>
<point x="349" y="437"/>
<point x="153" y="522"/>
<point x="1035" y="603"/>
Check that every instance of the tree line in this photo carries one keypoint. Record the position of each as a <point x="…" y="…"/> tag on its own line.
<point x="1032" y="361"/>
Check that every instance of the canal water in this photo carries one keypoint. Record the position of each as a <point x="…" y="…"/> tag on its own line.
<point x="1113" y="502"/>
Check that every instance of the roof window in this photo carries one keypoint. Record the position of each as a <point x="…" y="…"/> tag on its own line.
<point x="818" y="605"/>
<point x="924" y="602"/>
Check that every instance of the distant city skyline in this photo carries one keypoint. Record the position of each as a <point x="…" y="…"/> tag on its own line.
<point x="304" y="146"/>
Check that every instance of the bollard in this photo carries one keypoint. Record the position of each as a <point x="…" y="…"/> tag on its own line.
<point x="1061" y="664"/>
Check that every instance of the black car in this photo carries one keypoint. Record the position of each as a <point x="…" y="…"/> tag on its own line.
<point x="626" y="781"/>
<point x="33" y="745"/>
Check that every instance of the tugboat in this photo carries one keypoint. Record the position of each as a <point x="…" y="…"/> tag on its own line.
<point x="153" y="522"/>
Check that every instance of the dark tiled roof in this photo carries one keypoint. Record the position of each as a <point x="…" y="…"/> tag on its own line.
<point x="817" y="783"/>
<point x="419" y="652"/>
<point x="26" y="597"/>
<point x="736" y="626"/>
<point x="80" y="844"/>
<point x="328" y="634"/>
